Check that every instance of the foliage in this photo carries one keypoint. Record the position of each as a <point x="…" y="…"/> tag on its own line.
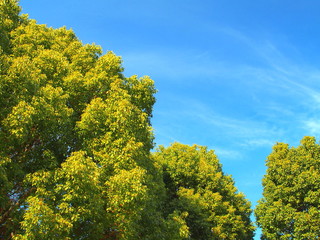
<point x="75" y="141"/>
<point x="197" y="187"/>
<point x="75" y="138"/>
<point x="290" y="205"/>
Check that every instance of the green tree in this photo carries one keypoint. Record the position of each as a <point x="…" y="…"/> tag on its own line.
<point x="75" y="140"/>
<point x="197" y="187"/>
<point x="290" y="205"/>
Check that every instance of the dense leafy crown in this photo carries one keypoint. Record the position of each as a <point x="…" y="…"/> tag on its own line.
<point x="291" y="202"/>
<point x="75" y="141"/>
<point x="197" y="187"/>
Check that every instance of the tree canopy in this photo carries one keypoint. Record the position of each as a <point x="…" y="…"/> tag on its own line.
<point x="75" y="141"/>
<point x="197" y="187"/>
<point x="290" y="205"/>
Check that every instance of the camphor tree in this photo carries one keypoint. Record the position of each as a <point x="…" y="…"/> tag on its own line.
<point x="197" y="187"/>
<point x="75" y="140"/>
<point x="290" y="205"/>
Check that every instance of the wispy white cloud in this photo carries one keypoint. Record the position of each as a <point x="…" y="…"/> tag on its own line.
<point x="225" y="153"/>
<point x="292" y="78"/>
<point x="260" y="142"/>
<point x="174" y="65"/>
<point x="312" y="126"/>
<point x="251" y="132"/>
<point x="284" y="94"/>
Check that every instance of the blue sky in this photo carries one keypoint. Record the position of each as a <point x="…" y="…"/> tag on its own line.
<point x="234" y="75"/>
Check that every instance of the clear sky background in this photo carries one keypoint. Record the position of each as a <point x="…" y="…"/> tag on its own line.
<point x="234" y="75"/>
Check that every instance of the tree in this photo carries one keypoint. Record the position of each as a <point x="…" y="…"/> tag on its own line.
<point x="197" y="187"/>
<point x="75" y="140"/>
<point x="290" y="205"/>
